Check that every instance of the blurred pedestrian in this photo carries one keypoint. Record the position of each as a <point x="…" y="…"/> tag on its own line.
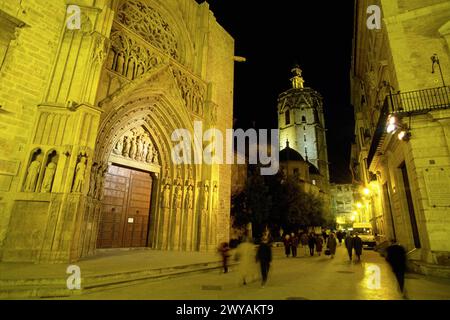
<point x="349" y="245"/>
<point x="331" y="245"/>
<point x="311" y="243"/>
<point x="304" y="242"/>
<point x="245" y="254"/>
<point x="358" y="246"/>
<point x="294" y="244"/>
<point x="340" y="236"/>
<point x="264" y="257"/>
<point x="224" y="251"/>
<point x="396" y="256"/>
<point x="287" y="245"/>
<point x="319" y="244"/>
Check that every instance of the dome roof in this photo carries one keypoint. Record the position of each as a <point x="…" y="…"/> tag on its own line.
<point x="289" y="154"/>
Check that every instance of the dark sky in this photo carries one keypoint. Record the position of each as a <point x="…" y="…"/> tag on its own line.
<point x="273" y="35"/>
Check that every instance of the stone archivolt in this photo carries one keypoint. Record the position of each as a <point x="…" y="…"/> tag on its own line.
<point x="150" y="25"/>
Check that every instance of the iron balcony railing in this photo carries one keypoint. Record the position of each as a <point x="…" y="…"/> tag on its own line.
<point x="410" y="103"/>
<point x="420" y="101"/>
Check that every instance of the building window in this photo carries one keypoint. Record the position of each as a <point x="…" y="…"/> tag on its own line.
<point x="303" y="119"/>
<point x="287" y="116"/>
<point x="314" y="182"/>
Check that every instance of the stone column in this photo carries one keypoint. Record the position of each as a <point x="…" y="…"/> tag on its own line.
<point x="67" y="122"/>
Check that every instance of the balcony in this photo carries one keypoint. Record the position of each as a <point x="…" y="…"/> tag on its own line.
<point x="407" y="103"/>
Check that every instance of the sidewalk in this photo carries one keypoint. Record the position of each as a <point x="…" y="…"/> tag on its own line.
<point x="108" y="268"/>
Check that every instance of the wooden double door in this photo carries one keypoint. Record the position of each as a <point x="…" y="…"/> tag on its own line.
<point x="125" y="209"/>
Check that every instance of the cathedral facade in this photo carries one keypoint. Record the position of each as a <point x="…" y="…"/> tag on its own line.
<point x="91" y="94"/>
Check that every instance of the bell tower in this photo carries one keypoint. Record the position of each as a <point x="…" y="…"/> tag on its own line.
<point x="301" y="122"/>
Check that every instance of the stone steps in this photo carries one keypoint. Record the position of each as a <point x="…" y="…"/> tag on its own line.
<point x="47" y="288"/>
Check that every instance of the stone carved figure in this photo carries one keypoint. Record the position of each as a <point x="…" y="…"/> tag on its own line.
<point x="150" y="154"/>
<point x="80" y="173"/>
<point x="100" y="179"/>
<point x="119" y="147"/>
<point x="166" y="197"/>
<point x="32" y="175"/>
<point x="127" y="147"/>
<point x="190" y="198"/>
<point x="92" y="182"/>
<point x="145" y="151"/>
<point x="133" y="150"/>
<point x="215" y="196"/>
<point x="140" y="148"/>
<point x="206" y="197"/>
<point x="178" y="198"/>
<point x="155" y="157"/>
<point x="49" y="174"/>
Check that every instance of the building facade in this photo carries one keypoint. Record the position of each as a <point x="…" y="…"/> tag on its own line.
<point x="343" y="205"/>
<point x="90" y="95"/>
<point x="402" y="110"/>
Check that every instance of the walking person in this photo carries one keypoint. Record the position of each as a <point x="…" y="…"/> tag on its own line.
<point x="304" y="242"/>
<point x="396" y="257"/>
<point x="294" y="244"/>
<point x="340" y="236"/>
<point x="245" y="254"/>
<point x="287" y="245"/>
<point x="358" y="246"/>
<point x="224" y="251"/>
<point x="349" y="245"/>
<point x="319" y="244"/>
<point x="264" y="257"/>
<point x="331" y="245"/>
<point x="311" y="243"/>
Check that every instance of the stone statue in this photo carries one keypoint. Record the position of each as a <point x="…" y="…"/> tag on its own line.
<point x="140" y="148"/>
<point x="215" y="197"/>
<point x="79" y="176"/>
<point x="206" y="197"/>
<point x="92" y="182"/>
<point x="100" y="179"/>
<point x="32" y="175"/>
<point x="145" y="151"/>
<point x="119" y="147"/>
<point x="155" y="157"/>
<point x="190" y="181"/>
<point x="178" y="198"/>
<point x="133" y="150"/>
<point x="190" y="198"/>
<point x="150" y="154"/>
<point x="166" y="197"/>
<point x="127" y="147"/>
<point x="47" y="183"/>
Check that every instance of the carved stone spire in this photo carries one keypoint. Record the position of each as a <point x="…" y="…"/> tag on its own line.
<point x="297" y="79"/>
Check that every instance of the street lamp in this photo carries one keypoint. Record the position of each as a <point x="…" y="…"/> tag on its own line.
<point x="359" y="205"/>
<point x="366" y="191"/>
<point x="435" y="60"/>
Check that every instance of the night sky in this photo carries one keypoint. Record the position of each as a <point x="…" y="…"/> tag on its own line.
<point x="273" y="36"/>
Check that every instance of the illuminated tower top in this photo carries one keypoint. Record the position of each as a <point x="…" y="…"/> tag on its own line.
<point x="297" y="79"/>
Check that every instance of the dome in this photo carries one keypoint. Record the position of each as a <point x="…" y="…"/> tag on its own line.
<point x="289" y="154"/>
<point x="313" y="169"/>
